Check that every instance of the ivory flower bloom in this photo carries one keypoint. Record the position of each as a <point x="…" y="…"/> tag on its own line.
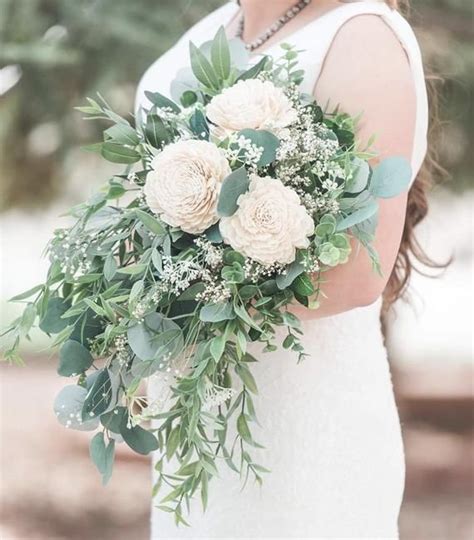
<point x="269" y="224"/>
<point x="251" y="104"/>
<point x="184" y="185"/>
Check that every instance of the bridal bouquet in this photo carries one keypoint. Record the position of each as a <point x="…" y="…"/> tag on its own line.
<point x="239" y="194"/>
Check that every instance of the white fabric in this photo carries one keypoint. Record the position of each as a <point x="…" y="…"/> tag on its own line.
<point x="330" y="425"/>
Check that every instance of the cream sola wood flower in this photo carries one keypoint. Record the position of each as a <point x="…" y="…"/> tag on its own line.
<point x="251" y="104"/>
<point x="184" y="184"/>
<point x="269" y="224"/>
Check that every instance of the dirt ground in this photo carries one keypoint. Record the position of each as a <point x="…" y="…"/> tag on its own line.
<point x="49" y="490"/>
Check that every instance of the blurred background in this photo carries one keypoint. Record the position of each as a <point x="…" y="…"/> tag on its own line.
<point x="54" y="53"/>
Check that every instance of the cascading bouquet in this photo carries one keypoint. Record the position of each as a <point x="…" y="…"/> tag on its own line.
<point x="238" y="197"/>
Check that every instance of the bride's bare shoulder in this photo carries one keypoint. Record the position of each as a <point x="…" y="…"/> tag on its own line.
<point x="367" y="70"/>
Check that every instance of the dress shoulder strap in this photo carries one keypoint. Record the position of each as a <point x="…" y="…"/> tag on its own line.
<point x="316" y="39"/>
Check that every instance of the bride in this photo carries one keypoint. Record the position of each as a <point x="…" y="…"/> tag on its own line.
<point x="329" y="425"/>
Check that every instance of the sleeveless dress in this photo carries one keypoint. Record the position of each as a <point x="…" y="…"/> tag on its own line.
<point x="330" y="426"/>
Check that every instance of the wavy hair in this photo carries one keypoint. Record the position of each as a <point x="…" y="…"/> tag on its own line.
<point x="411" y="255"/>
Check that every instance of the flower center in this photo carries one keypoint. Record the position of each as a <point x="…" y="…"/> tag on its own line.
<point x="267" y="214"/>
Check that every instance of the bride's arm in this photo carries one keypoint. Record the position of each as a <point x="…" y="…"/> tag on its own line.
<point x="367" y="71"/>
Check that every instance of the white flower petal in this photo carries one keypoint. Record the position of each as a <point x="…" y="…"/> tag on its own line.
<point x="251" y="104"/>
<point x="184" y="185"/>
<point x="269" y="224"/>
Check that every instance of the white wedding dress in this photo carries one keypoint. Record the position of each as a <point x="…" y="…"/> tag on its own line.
<point x="329" y="425"/>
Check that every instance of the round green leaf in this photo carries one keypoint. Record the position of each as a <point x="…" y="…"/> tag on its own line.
<point x="231" y="256"/>
<point x="391" y="177"/>
<point x="263" y="139"/>
<point x="248" y="291"/>
<point x="168" y="345"/>
<point x="360" y="176"/>
<point x="145" y="341"/>
<point x="232" y="188"/>
<point x="188" y="98"/>
<point x="68" y="408"/>
<point x="340" y="241"/>
<point x="140" y="440"/>
<point x="52" y="322"/>
<point x="102" y="456"/>
<point x="221" y="311"/>
<point x="292" y="272"/>
<point x="113" y="419"/>
<point x="74" y="359"/>
<point x="87" y="327"/>
<point x="329" y="255"/>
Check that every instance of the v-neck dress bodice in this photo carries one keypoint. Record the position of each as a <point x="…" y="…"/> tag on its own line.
<point x="329" y="425"/>
<point x="314" y="40"/>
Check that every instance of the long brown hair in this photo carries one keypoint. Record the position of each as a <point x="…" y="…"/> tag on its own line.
<point x="411" y="255"/>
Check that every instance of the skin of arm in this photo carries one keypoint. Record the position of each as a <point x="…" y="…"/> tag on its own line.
<point x="367" y="71"/>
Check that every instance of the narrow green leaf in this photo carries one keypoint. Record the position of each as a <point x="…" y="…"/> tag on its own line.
<point x="243" y="429"/>
<point x="117" y="153"/>
<point x="150" y="222"/>
<point x="247" y="378"/>
<point x="102" y="456"/>
<point x="220" y="54"/>
<point x="133" y="269"/>
<point x="209" y="466"/>
<point x="172" y="443"/>
<point x="26" y="294"/>
<point x="199" y="125"/>
<point x="303" y="285"/>
<point x="122" y="134"/>
<point x="254" y="71"/>
<point x="204" y="490"/>
<point x="110" y="267"/>
<point x="218" y="347"/>
<point x="156" y="132"/>
<point x="244" y="316"/>
<point x="162" y="102"/>
<point x="202" y="68"/>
